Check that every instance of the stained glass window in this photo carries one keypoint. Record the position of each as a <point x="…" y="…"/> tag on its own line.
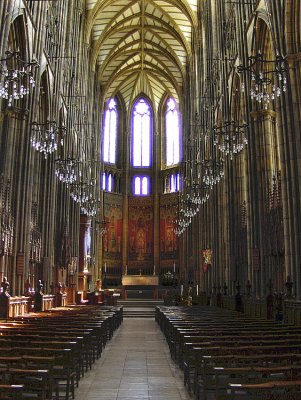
<point x="141" y="134"/>
<point x="103" y="181"/>
<point x="141" y="185"/>
<point x="107" y="182"/>
<point x="172" y="134"/>
<point x="175" y="182"/>
<point x="110" y="133"/>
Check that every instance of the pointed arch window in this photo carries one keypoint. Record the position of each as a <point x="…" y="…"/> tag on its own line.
<point x="175" y="182"/>
<point x="172" y="134"/>
<point x="107" y="183"/>
<point x="110" y="133"/>
<point x="141" y="134"/>
<point x="141" y="185"/>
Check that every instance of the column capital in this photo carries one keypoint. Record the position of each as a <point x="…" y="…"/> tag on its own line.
<point x="14" y="112"/>
<point x="263" y="114"/>
<point x="293" y="58"/>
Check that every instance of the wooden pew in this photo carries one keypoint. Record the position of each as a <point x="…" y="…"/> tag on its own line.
<point x="37" y="383"/>
<point x="247" y="375"/>
<point x="276" y="390"/>
<point x="69" y="341"/>
<point x="11" y="392"/>
<point x="205" y="380"/>
<point x="196" y="336"/>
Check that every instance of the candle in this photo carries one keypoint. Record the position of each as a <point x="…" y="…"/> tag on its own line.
<point x="126" y="269"/>
<point x="197" y="290"/>
<point x="105" y="268"/>
<point x="181" y="290"/>
<point x="174" y="268"/>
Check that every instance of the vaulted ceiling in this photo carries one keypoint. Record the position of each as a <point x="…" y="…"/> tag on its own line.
<point x="141" y="45"/>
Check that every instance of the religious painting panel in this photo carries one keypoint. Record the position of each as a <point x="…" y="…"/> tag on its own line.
<point x="141" y="232"/>
<point x="169" y="247"/>
<point x="112" y="240"/>
<point x="206" y="257"/>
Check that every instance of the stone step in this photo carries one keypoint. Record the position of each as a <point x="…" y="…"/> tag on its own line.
<point x="138" y="315"/>
<point x="131" y="311"/>
<point x="139" y="308"/>
<point x="140" y="303"/>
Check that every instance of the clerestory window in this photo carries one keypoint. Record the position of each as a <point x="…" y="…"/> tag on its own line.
<point x="141" y="134"/>
<point x="172" y="134"/>
<point x="110" y="133"/>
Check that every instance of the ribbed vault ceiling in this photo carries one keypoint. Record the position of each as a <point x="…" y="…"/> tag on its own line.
<point x="141" y="46"/>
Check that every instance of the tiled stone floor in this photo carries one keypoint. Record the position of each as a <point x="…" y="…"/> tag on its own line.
<point x="134" y="365"/>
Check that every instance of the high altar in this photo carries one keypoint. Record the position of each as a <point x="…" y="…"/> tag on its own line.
<point x="140" y="286"/>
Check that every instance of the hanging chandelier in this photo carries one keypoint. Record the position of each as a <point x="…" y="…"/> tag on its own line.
<point x="189" y="209"/>
<point x="82" y="192"/>
<point x="90" y="207"/>
<point x="16" y="77"/>
<point x="230" y="138"/>
<point x="213" y="172"/>
<point x="268" y="78"/>
<point x="68" y="170"/>
<point x="182" y="224"/>
<point x="47" y="137"/>
<point x="183" y="220"/>
<point x="200" y="193"/>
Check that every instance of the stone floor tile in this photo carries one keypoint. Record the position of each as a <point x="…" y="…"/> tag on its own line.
<point x="136" y="386"/>
<point x="133" y="379"/>
<point x="134" y="365"/>
<point x="130" y="398"/>
<point x="171" y="397"/>
<point x="134" y="393"/>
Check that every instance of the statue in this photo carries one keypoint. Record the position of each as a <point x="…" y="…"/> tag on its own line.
<point x="289" y="287"/>
<point x="38" y="299"/>
<point x="5" y="286"/>
<point x="59" y="288"/>
<point x="59" y="295"/>
<point x="39" y="287"/>
<point x="239" y="305"/>
<point x="4" y="299"/>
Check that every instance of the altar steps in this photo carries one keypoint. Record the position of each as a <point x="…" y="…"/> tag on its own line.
<point x="139" y="308"/>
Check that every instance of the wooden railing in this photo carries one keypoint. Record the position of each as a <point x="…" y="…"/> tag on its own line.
<point x="259" y="308"/>
<point x="292" y="312"/>
<point x="48" y="302"/>
<point x="255" y="307"/>
<point x="13" y="306"/>
<point x="18" y="305"/>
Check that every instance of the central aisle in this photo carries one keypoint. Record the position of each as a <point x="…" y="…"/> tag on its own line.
<point x="134" y="365"/>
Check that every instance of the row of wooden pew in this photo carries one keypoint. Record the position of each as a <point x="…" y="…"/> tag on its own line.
<point x="228" y="355"/>
<point x="43" y="356"/>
